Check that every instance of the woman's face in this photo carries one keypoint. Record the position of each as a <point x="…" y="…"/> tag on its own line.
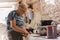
<point x="22" y="11"/>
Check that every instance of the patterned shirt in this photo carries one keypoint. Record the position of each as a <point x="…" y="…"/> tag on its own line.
<point x="19" y="19"/>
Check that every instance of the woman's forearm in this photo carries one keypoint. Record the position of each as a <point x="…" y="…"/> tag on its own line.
<point x="18" y="29"/>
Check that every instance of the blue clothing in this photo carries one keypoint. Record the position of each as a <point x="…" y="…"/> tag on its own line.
<point x="19" y="19"/>
<point x="30" y="15"/>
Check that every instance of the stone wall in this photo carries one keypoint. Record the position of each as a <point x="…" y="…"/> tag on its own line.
<point x="45" y="10"/>
<point x="48" y="9"/>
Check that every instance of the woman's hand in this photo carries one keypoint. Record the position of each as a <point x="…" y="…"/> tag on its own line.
<point x="26" y="33"/>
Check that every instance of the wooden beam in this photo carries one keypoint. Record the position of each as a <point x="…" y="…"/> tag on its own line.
<point x="8" y="0"/>
<point x="5" y="6"/>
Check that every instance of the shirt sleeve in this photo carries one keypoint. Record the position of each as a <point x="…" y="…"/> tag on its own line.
<point x="11" y="16"/>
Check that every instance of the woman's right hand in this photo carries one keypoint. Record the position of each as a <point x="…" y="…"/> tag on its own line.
<point x="26" y="33"/>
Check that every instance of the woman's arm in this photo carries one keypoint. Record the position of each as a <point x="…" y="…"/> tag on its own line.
<point x="16" y="28"/>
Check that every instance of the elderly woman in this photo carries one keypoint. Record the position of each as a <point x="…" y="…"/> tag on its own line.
<point x="15" y="23"/>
